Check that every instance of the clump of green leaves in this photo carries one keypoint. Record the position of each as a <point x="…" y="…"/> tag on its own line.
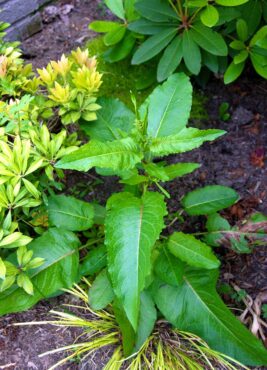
<point x="188" y="35"/>
<point x="143" y="273"/>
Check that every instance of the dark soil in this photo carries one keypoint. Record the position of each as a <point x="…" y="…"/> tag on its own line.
<point x="238" y="160"/>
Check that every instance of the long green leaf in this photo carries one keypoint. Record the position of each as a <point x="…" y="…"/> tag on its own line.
<point x="70" y="213"/>
<point x="192" y="251"/>
<point x="186" y="140"/>
<point x="156" y="10"/>
<point x="59" y="249"/>
<point x="191" y="53"/>
<point x="169" y="106"/>
<point x="154" y="45"/>
<point x="210" y="199"/>
<point x="196" y="307"/>
<point x="209" y="40"/>
<point x="116" y="6"/>
<point x="117" y="155"/>
<point x="171" y="59"/>
<point x="113" y="118"/>
<point x="132" y="227"/>
<point x="101" y="292"/>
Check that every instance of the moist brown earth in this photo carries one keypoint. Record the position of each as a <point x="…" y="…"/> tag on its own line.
<point x="238" y="160"/>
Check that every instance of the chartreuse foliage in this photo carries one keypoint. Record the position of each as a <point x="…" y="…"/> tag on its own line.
<point x="38" y="248"/>
<point x="138" y="270"/>
<point x="188" y="34"/>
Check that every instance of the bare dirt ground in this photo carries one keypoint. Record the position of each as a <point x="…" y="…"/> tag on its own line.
<point x="238" y="160"/>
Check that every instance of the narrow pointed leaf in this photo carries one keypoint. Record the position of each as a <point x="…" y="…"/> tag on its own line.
<point x="120" y="154"/>
<point x="191" y="53"/>
<point x="154" y="45"/>
<point x="155" y="10"/>
<point x="101" y="292"/>
<point x="186" y="140"/>
<point x="209" y="40"/>
<point x="171" y="59"/>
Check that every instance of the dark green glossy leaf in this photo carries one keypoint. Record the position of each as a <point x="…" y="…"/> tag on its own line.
<point x="156" y="10"/>
<point x="233" y="72"/>
<point x="191" y="53"/>
<point x="114" y="36"/>
<point x="154" y="45"/>
<point x="171" y="59"/>
<point x="121" y="50"/>
<point x="209" y="40"/>
<point x="146" y="27"/>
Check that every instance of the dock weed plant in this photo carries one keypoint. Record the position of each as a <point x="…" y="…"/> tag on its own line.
<point x="191" y="35"/>
<point x="140" y="271"/>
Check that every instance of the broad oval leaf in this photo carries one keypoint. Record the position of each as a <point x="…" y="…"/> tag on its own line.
<point x="132" y="227"/>
<point x="154" y="45"/>
<point x="118" y="155"/>
<point x="169" y="106"/>
<point x="186" y="140"/>
<point x="233" y="72"/>
<point x="209" y="16"/>
<point x="196" y="307"/>
<point x="208" y="200"/>
<point x="209" y="40"/>
<point x="192" y="251"/>
<point x="113" y="118"/>
<point x="59" y="249"/>
<point x="100" y="293"/>
<point x="70" y="213"/>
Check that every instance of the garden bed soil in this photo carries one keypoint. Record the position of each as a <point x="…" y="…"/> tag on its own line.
<point x="238" y="160"/>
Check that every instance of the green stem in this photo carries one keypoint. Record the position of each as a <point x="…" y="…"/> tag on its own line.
<point x="90" y="243"/>
<point x="174" y="8"/>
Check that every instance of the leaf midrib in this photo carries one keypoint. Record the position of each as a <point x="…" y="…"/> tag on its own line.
<point x="69" y="214"/>
<point x="190" y="251"/>
<point x="209" y="202"/>
<point x="165" y="112"/>
<point x="212" y="313"/>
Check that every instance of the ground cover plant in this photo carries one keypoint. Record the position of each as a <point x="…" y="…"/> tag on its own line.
<point x="142" y="277"/>
<point x="191" y="35"/>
